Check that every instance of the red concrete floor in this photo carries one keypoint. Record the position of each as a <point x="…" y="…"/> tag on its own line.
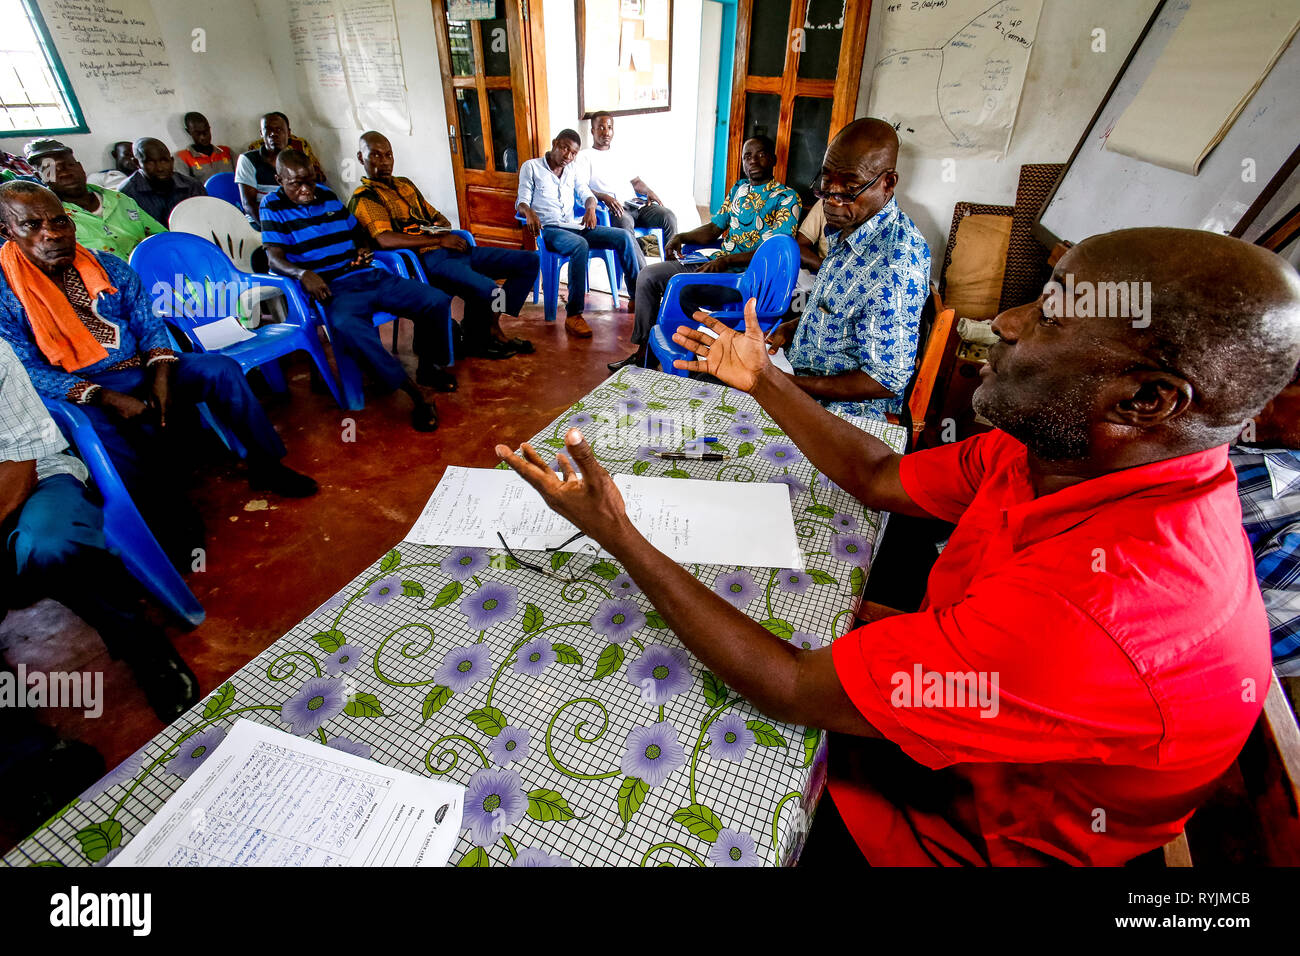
<point x="271" y="561"/>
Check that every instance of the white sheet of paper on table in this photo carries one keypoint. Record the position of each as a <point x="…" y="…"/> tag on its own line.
<point x="693" y="522"/>
<point x="221" y="333"/>
<point x="267" y="798"/>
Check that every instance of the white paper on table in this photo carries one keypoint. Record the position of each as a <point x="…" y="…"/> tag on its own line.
<point x="693" y="522"/>
<point x="267" y="798"/>
<point x="221" y="333"/>
<point x="781" y="362"/>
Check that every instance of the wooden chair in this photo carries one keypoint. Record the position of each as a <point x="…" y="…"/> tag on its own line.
<point x="935" y="330"/>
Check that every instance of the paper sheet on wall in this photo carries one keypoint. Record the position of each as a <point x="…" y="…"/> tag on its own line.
<point x="348" y="58"/>
<point x="1212" y="65"/>
<point x="268" y="798"/>
<point x="117" y="45"/>
<point x="950" y="76"/>
<point x="693" y="522"/>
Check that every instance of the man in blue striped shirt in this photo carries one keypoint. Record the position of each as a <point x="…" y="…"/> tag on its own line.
<point x="310" y="236"/>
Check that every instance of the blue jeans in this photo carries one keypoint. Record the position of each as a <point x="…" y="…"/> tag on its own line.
<point x="57" y="549"/>
<point x="357" y="296"/>
<point x="578" y="245"/>
<point x="470" y="276"/>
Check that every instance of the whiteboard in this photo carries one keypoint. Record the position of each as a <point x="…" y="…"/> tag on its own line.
<point x="1101" y="190"/>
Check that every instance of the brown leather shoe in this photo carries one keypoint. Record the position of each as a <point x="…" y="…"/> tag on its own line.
<point x="577" y="326"/>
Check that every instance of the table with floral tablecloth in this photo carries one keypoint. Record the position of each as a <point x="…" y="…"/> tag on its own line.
<point x="582" y="729"/>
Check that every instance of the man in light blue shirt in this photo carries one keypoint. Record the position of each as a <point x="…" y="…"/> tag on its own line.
<point x="548" y="194"/>
<point x="854" y="348"/>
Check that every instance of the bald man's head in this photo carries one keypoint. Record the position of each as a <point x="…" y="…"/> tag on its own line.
<point x="296" y="175"/>
<point x="375" y="154"/>
<point x="858" y="176"/>
<point x="1147" y="343"/>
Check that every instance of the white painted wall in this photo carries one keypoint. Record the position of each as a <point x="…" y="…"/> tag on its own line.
<point x="1063" y="88"/>
<point x="706" y="123"/>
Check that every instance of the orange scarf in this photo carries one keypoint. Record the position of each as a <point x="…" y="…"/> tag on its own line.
<point x="59" y="333"/>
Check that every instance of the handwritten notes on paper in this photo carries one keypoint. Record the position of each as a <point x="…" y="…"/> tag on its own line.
<point x="267" y="798"/>
<point x="693" y="522"/>
<point x="950" y="73"/>
<point x="348" y="57"/>
<point x="117" y="46"/>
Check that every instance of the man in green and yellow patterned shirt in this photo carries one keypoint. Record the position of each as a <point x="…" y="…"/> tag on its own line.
<point x="757" y="207"/>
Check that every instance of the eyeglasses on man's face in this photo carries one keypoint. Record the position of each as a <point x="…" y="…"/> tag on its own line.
<point x="844" y="198"/>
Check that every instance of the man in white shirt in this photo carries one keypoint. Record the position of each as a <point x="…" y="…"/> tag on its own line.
<point x="609" y="174"/>
<point x="548" y="194"/>
<point x="124" y="164"/>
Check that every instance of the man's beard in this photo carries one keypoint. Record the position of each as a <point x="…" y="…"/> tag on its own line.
<point x="1053" y="427"/>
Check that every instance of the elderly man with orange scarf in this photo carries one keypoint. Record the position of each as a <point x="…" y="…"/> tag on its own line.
<point x="81" y="324"/>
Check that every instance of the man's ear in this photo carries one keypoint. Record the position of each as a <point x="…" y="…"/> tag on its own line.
<point x="1148" y="398"/>
<point x="4" y="229"/>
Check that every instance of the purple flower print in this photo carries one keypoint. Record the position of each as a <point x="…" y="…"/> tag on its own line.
<point x="852" y="548"/>
<point x="347" y="746"/>
<point x="194" y="751"/>
<point x="123" y="773"/>
<point x="463" y="667"/>
<point x="729" y="738"/>
<point x="342" y="660"/>
<point x="843" y="522"/>
<point x="802" y="639"/>
<point x="333" y="604"/>
<point x="463" y="563"/>
<point x="510" y="746"/>
<point x="661" y="673"/>
<point x="534" y="657"/>
<point x="792" y="484"/>
<point x="491" y="604"/>
<point x="618" y="619"/>
<point x="494" y="802"/>
<point x="627" y="406"/>
<point x="531" y="857"/>
<point x="745" y="431"/>
<point x="653" y="753"/>
<point x="733" y="848"/>
<point x="581" y="420"/>
<point x="736" y="587"/>
<point x="792" y="581"/>
<point x="623" y="585"/>
<point x="384" y="590"/>
<point x="780" y="453"/>
<point x="318" y="700"/>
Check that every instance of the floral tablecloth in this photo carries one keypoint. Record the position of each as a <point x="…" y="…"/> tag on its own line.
<point x="583" y="730"/>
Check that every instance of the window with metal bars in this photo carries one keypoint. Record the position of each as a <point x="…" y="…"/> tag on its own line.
<point x="35" y="95"/>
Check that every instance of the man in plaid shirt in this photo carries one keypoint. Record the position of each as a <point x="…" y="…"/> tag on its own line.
<point x="53" y="534"/>
<point x="1267" y="461"/>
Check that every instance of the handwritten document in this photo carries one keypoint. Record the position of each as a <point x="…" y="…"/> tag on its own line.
<point x="117" y="46"/>
<point x="267" y="798"/>
<point x="348" y="58"/>
<point x="693" y="522"/>
<point x="950" y="73"/>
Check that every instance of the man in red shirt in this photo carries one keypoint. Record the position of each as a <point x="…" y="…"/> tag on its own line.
<point x="1092" y="651"/>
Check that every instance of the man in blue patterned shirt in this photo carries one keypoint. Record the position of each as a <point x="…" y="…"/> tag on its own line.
<point x="1268" y="479"/>
<point x="855" y="345"/>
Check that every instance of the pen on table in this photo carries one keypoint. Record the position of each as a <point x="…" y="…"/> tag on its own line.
<point x="679" y="456"/>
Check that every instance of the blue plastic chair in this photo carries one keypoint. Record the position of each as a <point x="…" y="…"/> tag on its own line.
<point x="208" y="274"/>
<point x="223" y="186"/>
<point x="126" y="532"/>
<point x="770" y="279"/>
<point x="551" y="263"/>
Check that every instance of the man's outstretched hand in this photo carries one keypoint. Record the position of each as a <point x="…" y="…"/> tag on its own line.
<point x="733" y="357"/>
<point x="589" y="500"/>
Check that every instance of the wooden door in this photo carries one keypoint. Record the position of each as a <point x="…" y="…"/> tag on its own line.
<point x="490" y="69"/>
<point x="798" y="65"/>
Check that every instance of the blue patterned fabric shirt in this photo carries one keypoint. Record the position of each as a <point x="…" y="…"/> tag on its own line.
<point x="123" y="322"/>
<point x="751" y="213"/>
<point x="1268" y="480"/>
<point x="864" y="311"/>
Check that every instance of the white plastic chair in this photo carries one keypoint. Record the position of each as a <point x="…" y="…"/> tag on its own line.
<point x="225" y="226"/>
